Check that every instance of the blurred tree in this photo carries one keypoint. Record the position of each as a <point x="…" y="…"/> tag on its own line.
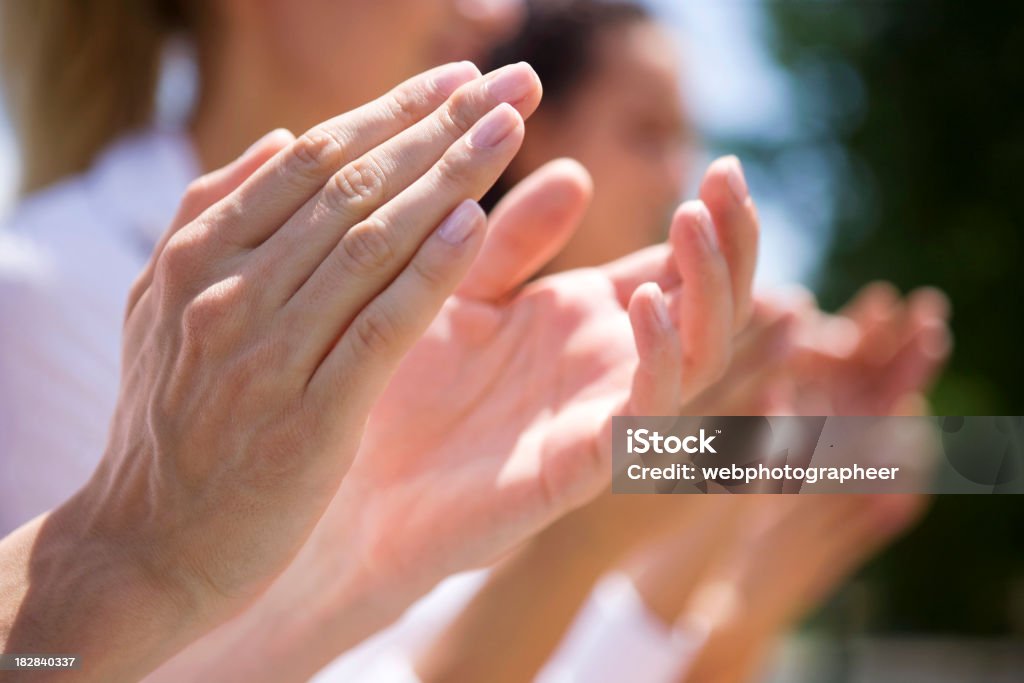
<point x="914" y="109"/>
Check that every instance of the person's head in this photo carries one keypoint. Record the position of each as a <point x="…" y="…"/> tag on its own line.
<point x="80" y="72"/>
<point x="326" y="56"/>
<point x="612" y="101"/>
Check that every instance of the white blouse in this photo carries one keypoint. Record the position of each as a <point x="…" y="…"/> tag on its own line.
<point x="68" y="255"/>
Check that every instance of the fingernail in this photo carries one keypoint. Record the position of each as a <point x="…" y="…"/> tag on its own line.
<point x="451" y="76"/>
<point x="661" y="309"/>
<point x="737" y="183"/>
<point x="707" y="228"/>
<point x="935" y="341"/>
<point x="494" y="127"/>
<point x="511" y="83"/>
<point x="461" y="223"/>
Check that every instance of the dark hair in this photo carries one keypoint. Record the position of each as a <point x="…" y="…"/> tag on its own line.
<point x="558" y="40"/>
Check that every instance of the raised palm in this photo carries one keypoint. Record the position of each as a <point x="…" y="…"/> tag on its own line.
<point x="499" y="420"/>
<point x="505" y="407"/>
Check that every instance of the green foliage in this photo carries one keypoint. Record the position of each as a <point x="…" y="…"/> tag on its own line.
<point x="917" y="109"/>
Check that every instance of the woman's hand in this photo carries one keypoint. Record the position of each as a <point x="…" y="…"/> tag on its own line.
<point x="255" y="345"/>
<point x="877" y="356"/>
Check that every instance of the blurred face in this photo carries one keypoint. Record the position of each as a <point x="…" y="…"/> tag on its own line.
<point x="328" y="55"/>
<point x="626" y="124"/>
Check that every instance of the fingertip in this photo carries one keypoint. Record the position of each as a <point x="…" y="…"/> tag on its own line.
<point x="724" y="184"/>
<point x="638" y="303"/>
<point x="881" y="294"/>
<point x="651" y="299"/>
<point x="794" y="298"/>
<point x="280" y="136"/>
<point x="656" y="388"/>
<point x="574" y="181"/>
<point x="558" y="189"/>
<point x="693" y="228"/>
<point x="931" y="302"/>
<point x="258" y="152"/>
<point x="894" y="513"/>
<point x="448" y="78"/>
<point x="689" y="210"/>
<point x="720" y="166"/>
<point x="651" y="321"/>
<point x="537" y="91"/>
<point x="270" y="144"/>
<point x="498" y="128"/>
<point x="935" y="340"/>
<point x="517" y="84"/>
<point x="471" y="67"/>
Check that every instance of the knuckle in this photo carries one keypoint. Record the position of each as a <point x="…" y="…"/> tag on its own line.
<point x="249" y="372"/>
<point x="197" y="318"/>
<point x="367" y="247"/>
<point x="429" y="271"/>
<point x="176" y="261"/>
<point x="195" y="198"/>
<point x="138" y="288"/>
<point x="454" y="171"/>
<point x="358" y="182"/>
<point x="404" y="104"/>
<point x="374" y="330"/>
<point x="207" y="312"/>
<point x="457" y="114"/>
<point x="317" y="150"/>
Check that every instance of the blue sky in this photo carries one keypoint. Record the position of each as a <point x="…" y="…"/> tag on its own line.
<point x="733" y="88"/>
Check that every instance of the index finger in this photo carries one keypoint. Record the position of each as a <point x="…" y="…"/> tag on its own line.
<point x="289" y="180"/>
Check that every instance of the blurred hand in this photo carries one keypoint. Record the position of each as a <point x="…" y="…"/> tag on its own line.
<point x="789" y="555"/>
<point x="876" y="357"/>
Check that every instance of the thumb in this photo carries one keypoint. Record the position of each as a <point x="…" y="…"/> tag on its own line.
<point x="528" y="227"/>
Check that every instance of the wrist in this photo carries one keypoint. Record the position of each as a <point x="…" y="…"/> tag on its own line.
<point x="75" y="592"/>
<point x="102" y="522"/>
<point x="326" y="602"/>
<point x="577" y="540"/>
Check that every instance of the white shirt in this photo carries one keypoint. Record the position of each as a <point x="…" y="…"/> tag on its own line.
<point x="68" y="255"/>
<point x="390" y="655"/>
<point x="615" y="637"/>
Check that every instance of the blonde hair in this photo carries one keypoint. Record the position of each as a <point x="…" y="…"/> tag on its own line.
<point x="79" y="73"/>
